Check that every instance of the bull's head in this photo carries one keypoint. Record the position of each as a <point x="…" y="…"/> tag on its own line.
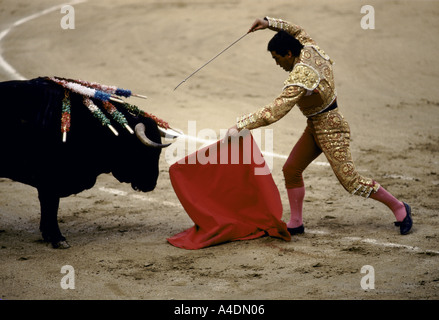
<point x="140" y="166"/>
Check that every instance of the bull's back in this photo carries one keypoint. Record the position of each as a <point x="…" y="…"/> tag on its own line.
<point x="28" y="109"/>
<point x="31" y="142"/>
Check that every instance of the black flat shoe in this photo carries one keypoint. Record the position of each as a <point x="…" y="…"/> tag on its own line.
<point x="405" y="225"/>
<point x="297" y="230"/>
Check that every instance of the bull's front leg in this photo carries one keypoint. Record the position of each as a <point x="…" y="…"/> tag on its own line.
<point x="49" y="203"/>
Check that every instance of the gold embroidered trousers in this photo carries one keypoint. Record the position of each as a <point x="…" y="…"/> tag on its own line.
<point x="329" y="133"/>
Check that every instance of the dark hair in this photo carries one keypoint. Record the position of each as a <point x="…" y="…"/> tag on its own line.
<point x="282" y="42"/>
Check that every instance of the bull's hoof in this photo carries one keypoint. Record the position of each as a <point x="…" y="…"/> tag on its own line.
<point x="63" y="244"/>
<point x="58" y="241"/>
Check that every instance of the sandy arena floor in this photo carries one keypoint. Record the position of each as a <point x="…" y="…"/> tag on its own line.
<point x="386" y="80"/>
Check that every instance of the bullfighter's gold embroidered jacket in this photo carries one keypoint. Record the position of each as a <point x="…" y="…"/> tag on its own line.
<point x="310" y="84"/>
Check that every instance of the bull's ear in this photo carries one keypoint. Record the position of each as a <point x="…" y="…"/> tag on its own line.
<point x="140" y="133"/>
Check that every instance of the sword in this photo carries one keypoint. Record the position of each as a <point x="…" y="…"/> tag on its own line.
<point x="211" y="60"/>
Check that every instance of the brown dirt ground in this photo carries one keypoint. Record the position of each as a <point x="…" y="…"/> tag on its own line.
<point x="386" y="81"/>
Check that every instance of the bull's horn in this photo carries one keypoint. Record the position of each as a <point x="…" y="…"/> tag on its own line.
<point x="170" y="133"/>
<point x="140" y="133"/>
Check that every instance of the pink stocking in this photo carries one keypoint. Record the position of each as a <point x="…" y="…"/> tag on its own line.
<point x="397" y="207"/>
<point x="295" y="197"/>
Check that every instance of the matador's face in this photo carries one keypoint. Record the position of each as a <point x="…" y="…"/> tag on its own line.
<point x="285" y="62"/>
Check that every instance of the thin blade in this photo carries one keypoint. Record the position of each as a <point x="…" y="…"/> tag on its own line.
<point x="211" y="60"/>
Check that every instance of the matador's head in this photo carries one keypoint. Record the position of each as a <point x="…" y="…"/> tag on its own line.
<point x="284" y="49"/>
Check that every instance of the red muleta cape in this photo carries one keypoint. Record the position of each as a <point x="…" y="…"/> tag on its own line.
<point x="229" y="193"/>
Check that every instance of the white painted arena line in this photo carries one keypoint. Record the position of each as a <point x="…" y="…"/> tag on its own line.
<point x="140" y="197"/>
<point x="369" y="241"/>
<point x="390" y="245"/>
<point x="3" y="63"/>
<point x="14" y="74"/>
<point x="266" y="154"/>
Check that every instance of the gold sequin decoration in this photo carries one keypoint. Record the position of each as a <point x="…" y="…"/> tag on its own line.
<point x="333" y="136"/>
<point x="303" y="76"/>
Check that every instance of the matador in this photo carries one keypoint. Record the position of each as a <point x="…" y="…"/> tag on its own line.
<point x="310" y="86"/>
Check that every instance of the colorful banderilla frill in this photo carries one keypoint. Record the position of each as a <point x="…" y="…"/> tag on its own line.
<point x="105" y="88"/>
<point x="136" y="111"/>
<point x="104" y="93"/>
<point x="65" y="115"/>
<point x="98" y="114"/>
<point x="117" y="115"/>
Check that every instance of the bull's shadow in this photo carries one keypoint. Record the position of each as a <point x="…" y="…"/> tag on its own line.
<point x="33" y="152"/>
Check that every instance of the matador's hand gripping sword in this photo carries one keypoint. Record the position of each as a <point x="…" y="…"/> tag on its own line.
<point x="210" y="60"/>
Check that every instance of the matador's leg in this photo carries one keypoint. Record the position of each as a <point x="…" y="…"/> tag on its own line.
<point x="332" y="133"/>
<point x="303" y="153"/>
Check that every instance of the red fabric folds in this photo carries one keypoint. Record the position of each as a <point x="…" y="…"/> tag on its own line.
<point x="229" y="193"/>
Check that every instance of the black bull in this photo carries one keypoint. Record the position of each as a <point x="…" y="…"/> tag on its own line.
<point x="32" y="151"/>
